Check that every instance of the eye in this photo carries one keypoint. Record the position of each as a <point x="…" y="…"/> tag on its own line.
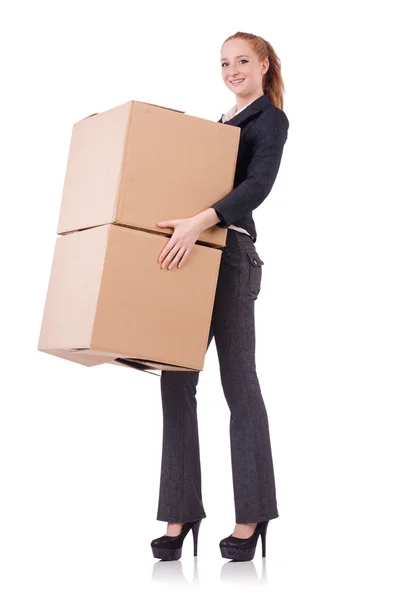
<point x="243" y="59"/>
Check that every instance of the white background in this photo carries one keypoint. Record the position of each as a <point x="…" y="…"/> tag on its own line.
<point x="80" y="447"/>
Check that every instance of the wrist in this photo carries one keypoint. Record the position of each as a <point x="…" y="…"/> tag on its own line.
<point x="207" y="218"/>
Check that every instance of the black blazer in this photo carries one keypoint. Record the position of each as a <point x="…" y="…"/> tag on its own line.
<point x="264" y="131"/>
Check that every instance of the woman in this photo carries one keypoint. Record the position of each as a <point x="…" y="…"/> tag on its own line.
<point x="251" y="70"/>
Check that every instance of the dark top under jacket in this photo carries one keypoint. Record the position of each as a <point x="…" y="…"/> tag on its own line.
<point x="264" y="131"/>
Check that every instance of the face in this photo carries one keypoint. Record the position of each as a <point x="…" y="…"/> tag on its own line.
<point x="238" y="61"/>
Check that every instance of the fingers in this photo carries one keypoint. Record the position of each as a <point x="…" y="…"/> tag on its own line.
<point x="184" y="259"/>
<point x="172" y="258"/>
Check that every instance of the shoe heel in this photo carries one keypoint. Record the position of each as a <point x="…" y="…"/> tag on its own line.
<point x="195" y="531"/>
<point x="263" y="538"/>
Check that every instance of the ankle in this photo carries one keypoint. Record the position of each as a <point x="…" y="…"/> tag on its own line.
<point x="244" y="530"/>
<point x="174" y="528"/>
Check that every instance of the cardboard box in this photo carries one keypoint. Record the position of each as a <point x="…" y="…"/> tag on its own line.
<point x="139" y="163"/>
<point x="108" y="300"/>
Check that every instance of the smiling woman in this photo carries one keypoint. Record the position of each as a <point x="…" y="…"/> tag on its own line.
<point x="251" y="70"/>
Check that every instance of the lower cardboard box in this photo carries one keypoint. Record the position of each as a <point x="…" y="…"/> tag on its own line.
<point x="109" y="301"/>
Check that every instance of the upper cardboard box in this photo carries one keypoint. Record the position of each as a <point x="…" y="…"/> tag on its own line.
<point x="139" y="163"/>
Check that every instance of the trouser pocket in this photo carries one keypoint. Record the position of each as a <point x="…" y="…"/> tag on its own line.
<point x="255" y="272"/>
<point x="232" y="260"/>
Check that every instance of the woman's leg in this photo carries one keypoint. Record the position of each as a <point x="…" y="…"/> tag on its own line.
<point x="180" y="497"/>
<point x="234" y="331"/>
<point x="233" y="325"/>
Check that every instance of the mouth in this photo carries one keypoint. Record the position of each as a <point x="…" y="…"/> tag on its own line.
<point x="237" y="81"/>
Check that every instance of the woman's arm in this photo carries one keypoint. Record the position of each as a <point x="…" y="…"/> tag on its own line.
<point x="261" y="173"/>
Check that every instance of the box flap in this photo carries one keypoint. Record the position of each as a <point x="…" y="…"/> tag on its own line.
<point x="159" y="106"/>
<point x="93" y="114"/>
<point x="141" y="102"/>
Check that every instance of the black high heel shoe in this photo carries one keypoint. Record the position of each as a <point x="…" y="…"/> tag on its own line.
<point x="244" y="549"/>
<point x="169" y="547"/>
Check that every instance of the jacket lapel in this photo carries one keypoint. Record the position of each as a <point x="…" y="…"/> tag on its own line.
<point x="251" y="110"/>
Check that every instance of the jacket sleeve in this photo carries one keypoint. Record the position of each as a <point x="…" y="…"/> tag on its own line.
<point x="261" y="172"/>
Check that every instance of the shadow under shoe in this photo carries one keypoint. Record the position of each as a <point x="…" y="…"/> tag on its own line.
<point x="244" y="549"/>
<point x="169" y="547"/>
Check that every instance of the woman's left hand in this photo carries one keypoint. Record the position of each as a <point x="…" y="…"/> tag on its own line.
<point x="179" y="246"/>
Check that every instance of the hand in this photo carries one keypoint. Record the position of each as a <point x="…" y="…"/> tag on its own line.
<point x="179" y="246"/>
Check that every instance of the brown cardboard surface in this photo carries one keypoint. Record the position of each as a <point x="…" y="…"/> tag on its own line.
<point x="139" y="163"/>
<point x="89" y="360"/>
<point x="108" y="298"/>
<point x="84" y="356"/>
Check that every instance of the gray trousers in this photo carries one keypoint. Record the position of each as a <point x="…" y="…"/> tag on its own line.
<point x="233" y="326"/>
